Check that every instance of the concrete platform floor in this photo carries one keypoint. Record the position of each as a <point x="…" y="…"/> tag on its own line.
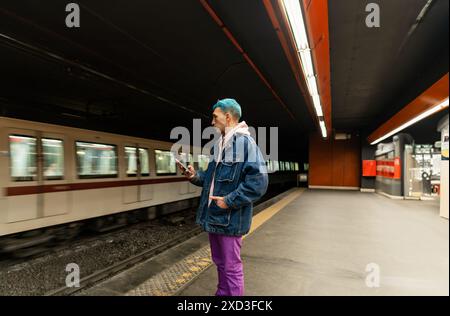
<point x="322" y="243"/>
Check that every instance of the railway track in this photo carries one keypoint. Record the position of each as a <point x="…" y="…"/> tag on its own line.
<point x="100" y="275"/>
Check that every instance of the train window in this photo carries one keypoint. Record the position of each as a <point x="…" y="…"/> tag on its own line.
<point x="132" y="162"/>
<point x="269" y="165"/>
<point x="203" y="161"/>
<point x="281" y="165"/>
<point x="273" y="165"/>
<point x="184" y="159"/>
<point x="276" y="165"/>
<point x="23" y="158"/>
<point x="145" y="161"/>
<point x="296" y="166"/>
<point x="96" y="160"/>
<point x="53" y="150"/>
<point x="165" y="162"/>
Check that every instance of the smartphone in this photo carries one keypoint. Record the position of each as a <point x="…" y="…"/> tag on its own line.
<point x="182" y="166"/>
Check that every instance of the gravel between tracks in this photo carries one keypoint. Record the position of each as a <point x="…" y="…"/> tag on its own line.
<point x="48" y="272"/>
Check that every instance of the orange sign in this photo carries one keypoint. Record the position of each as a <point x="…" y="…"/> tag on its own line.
<point x="369" y="168"/>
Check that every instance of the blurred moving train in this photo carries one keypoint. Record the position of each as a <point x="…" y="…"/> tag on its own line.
<point x="57" y="180"/>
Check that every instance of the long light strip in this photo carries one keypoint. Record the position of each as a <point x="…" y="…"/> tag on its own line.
<point x="323" y="129"/>
<point x="316" y="102"/>
<point x="298" y="27"/>
<point x="312" y="85"/>
<point x="418" y="118"/>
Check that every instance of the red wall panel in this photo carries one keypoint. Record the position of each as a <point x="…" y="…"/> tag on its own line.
<point x="369" y="168"/>
<point x="352" y="172"/>
<point x="334" y="162"/>
<point x="338" y="163"/>
<point x="320" y="152"/>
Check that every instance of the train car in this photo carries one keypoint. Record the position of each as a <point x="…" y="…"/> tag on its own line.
<point x="56" y="180"/>
<point x="52" y="175"/>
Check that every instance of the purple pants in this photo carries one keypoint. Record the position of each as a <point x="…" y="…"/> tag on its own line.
<point x="226" y="254"/>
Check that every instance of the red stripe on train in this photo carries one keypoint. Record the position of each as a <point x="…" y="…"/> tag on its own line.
<point x="38" y="189"/>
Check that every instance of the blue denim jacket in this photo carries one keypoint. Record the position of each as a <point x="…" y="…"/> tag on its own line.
<point x="241" y="177"/>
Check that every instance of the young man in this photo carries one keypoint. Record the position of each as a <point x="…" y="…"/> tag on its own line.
<point x="236" y="177"/>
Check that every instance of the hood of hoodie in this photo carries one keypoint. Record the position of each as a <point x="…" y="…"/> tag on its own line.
<point x="240" y="128"/>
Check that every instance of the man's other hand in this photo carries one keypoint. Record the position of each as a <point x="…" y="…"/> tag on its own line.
<point x="220" y="201"/>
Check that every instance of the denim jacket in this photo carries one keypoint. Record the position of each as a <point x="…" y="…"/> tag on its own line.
<point x="240" y="177"/>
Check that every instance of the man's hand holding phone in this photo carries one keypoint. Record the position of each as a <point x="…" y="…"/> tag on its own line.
<point x="188" y="172"/>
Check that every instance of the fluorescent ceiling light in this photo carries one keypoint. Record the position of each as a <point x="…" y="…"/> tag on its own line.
<point x="418" y="118"/>
<point x="312" y="85"/>
<point x="319" y="111"/>
<point x="305" y="57"/>
<point x="295" y="16"/>
<point x="298" y="27"/>
<point x="323" y="129"/>
<point x="317" y="105"/>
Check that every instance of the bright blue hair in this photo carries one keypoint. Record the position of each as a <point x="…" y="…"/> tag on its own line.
<point x="229" y="106"/>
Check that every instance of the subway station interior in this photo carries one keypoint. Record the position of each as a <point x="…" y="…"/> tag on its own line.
<point x="346" y="102"/>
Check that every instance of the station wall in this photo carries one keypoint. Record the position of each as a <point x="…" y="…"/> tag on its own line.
<point x="334" y="163"/>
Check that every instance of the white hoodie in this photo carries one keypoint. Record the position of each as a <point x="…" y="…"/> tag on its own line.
<point x="240" y="128"/>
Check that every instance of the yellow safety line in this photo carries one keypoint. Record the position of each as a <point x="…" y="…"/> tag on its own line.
<point x="267" y="214"/>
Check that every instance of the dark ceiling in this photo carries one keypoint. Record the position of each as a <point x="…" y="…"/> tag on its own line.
<point x="143" y="68"/>
<point x="377" y="71"/>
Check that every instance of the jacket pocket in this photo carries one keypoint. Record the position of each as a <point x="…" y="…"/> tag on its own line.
<point x="227" y="171"/>
<point x="218" y="216"/>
